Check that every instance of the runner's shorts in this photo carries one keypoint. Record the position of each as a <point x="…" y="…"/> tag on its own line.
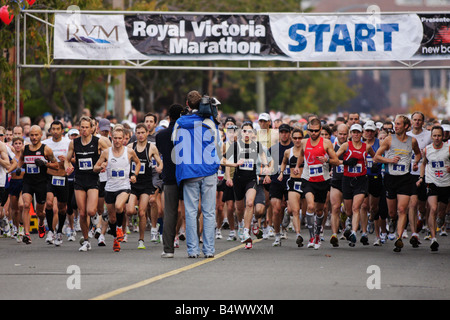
<point x="396" y="185"/>
<point x="318" y="189"/>
<point x="441" y="192"/>
<point x="38" y="190"/>
<point x="59" y="186"/>
<point x="111" y="196"/>
<point x="375" y="186"/>
<point x="352" y="186"/>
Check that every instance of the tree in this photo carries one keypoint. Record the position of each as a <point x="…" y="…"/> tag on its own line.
<point x="426" y="105"/>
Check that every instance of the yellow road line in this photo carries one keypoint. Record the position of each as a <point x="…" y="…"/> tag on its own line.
<point x="167" y="274"/>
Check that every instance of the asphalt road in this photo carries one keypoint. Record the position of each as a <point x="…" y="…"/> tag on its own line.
<point x="40" y="271"/>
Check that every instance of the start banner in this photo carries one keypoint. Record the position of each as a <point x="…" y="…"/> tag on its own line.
<point x="272" y="36"/>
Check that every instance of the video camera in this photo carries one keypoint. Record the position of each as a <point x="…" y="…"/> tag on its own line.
<point x="208" y="107"/>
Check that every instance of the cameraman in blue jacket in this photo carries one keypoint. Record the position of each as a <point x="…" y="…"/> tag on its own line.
<point x="196" y="155"/>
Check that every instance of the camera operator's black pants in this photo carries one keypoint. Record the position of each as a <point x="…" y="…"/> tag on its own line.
<point x="172" y="194"/>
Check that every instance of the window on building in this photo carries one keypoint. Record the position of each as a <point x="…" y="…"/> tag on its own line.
<point x="435" y="78"/>
<point x="437" y="3"/>
<point x="417" y="78"/>
<point x="385" y="80"/>
<point x="409" y="2"/>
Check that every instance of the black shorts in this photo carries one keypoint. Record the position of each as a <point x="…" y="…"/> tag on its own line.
<point x="15" y="187"/>
<point x="3" y="196"/>
<point x="318" y="189"/>
<point x="221" y="185"/>
<point x="375" y="186"/>
<point x="110" y="197"/>
<point x="278" y="190"/>
<point x="228" y="194"/>
<point x="59" y="186"/>
<point x="101" y="189"/>
<point x="139" y="190"/>
<point x="420" y="191"/>
<point x="260" y="197"/>
<point x="442" y="193"/>
<point x="86" y="183"/>
<point x="352" y="186"/>
<point x="396" y="185"/>
<point x="37" y="190"/>
<point x="337" y="184"/>
<point x="241" y="186"/>
<point x="295" y="185"/>
<point x="382" y="206"/>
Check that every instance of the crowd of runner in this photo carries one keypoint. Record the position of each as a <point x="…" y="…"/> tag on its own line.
<point x="361" y="177"/>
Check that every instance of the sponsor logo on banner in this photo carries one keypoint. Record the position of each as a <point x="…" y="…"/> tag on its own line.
<point x="92" y="37"/>
<point x="436" y="36"/>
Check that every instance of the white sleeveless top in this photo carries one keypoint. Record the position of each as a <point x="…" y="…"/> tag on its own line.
<point x="402" y="149"/>
<point x="118" y="171"/>
<point x="436" y="169"/>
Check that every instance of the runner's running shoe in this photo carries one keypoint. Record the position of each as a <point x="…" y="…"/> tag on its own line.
<point x="317" y="242"/>
<point x="299" y="241"/>
<point x="58" y="239"/>
<point x="311" y="243"/>
<point x="277" y="242"/>
<point x="364" y="240"/>
<point x="232" y="236"/>
<point x="352" y="239"/>
<point x="26" y="239"/>
<point x="41" y="230"/>
<point x="249" y="244"/>
<point x="398" y="244"/>
<point x="119" y="234"/>
<point x="141" y="245"/>
<point x="434" y="245"/>
<point x="334" y="241"/>
<point x="116" y="245"/>
<point x="86" y="246"/>
<point x="414" y="241"/>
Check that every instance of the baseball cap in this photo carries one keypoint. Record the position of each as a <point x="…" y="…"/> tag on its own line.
<point x="104" y="125"/>
<point x="264" y="117"/>
<point x="230" y="119"/>
<point x="73" y="131"/>
<point x="284" y="127"/>
<point x="164" y="123"/>
<point x="356" y="127"/>
<point x="370" y="125"/>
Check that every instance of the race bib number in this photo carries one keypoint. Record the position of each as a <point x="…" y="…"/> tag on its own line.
<point x="154" y="164"/>
<point x="287" y="171"/>
<point x="340" y="168"/>
<point x="437" y="164"/>
<point x="399" y="167"/>
<point x="117" y="173"/>
<point x="355" y="169"/>
<point x="59" y="181"/>
<point x="249" y="164"/>
<point x="141" y="170"/>
<point x="316" y="170"/>
<point x="33" y="169"/>
<point x="369" y="162"/>
<point x="298" y="186"/>
<point x="85" y="164"/>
